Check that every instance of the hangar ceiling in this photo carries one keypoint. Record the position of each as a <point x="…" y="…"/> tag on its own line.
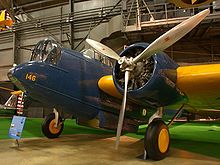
<point x="52" y="18"/>
<point x="202" y="44"/>
<point x="32" y="5"/>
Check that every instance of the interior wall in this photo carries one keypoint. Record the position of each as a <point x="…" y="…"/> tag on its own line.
<point x="28" y="40"/>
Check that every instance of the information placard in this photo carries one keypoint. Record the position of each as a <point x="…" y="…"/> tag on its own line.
<point x="16" y="127"/>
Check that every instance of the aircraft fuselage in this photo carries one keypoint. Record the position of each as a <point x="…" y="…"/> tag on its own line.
<point x="70" y="84"/>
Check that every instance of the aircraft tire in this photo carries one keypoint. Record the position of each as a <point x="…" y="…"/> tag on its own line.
<point x="157" y="140"/>
<point x="48" y="128"/>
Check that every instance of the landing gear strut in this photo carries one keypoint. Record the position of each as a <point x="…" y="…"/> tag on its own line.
<point x="52" y="127"/>
<point x="157" y="137"/>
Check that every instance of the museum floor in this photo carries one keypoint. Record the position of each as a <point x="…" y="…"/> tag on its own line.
<point x="191" y="143"/>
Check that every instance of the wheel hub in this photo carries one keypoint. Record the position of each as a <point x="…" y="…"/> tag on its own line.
<point x="52" y="128"/>
<point x="163" y="140"/>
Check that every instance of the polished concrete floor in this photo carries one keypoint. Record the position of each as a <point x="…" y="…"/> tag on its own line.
<point x="89" y="149"/>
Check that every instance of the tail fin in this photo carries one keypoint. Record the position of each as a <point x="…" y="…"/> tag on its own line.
<point x="2" y="16"/>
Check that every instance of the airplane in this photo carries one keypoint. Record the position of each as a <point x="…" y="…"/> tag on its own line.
<point x="190" y="3"/>
<point x="5" y="21"/>
<point x="143" y="78"/>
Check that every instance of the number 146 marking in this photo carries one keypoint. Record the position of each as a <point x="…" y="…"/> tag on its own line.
<point x="30" y="76"/>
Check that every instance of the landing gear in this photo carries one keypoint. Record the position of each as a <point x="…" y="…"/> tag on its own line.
<point x="157" y="140"/>
<point x="190" y="117"/>
<point x="49" y="127"/>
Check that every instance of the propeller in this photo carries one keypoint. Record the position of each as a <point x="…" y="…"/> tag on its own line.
<point x="172" y="36"/>
<point x="127" y="65"/>
<point x="122" y="110"/>
<point x="103" y="49"/>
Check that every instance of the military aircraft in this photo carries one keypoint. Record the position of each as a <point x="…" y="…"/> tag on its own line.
<point x="190" y="3"/>
<point x="145" y="79"/>
<point x="5" y="21"/>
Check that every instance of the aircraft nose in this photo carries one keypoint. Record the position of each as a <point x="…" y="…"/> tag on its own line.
<point x="14" y="75"/>
<point x="10" y="73"/>
<point x="14" y="72"/>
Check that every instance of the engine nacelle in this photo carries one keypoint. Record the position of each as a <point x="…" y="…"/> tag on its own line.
<point x="153" y="81"/>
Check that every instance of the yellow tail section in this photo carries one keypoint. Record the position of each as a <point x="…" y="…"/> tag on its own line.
<point x="2" y="16"/>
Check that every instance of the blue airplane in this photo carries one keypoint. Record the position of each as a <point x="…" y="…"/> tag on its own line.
<point x="143" y="78"/>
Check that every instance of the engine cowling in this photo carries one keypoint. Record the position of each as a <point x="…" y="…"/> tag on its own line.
<point x="153" y="81"/>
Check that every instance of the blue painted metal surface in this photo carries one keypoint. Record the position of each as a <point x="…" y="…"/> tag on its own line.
<point x="65" y="78"/>
<point x="71" y="84"/>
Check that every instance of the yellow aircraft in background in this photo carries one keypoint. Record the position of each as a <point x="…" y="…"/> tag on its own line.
<point x="190" y="3"/>
<point x="5" y="21"/>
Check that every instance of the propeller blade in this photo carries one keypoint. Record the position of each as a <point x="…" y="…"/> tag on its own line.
<point x="172" y="36"/>
<point x="122" y="110"/>
<point x="103" y="49"/>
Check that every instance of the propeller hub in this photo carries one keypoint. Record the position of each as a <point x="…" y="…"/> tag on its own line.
<point x="126" y="64"/>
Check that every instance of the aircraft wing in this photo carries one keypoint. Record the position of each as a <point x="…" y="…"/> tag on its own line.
<point x="212" y="113"/>
<point x="200" y="83"/>
<point x="190" y="3"/>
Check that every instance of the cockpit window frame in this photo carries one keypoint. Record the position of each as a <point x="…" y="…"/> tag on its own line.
<point x="47" y="54"/>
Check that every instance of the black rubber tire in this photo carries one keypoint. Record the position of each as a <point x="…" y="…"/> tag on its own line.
<point x="45" y="126"/>
<point x="151" y="140"/>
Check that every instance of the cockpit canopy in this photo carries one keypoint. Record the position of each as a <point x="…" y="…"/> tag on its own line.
<point x="46" y="51"/>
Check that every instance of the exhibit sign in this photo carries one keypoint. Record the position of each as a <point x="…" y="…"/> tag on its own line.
<point x="16" y="127"/>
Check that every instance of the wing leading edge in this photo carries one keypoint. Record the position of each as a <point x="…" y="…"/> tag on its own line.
<point x="201" y="85"/>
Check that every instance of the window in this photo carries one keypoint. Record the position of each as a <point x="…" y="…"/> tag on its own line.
<point x="46" y="51"/>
